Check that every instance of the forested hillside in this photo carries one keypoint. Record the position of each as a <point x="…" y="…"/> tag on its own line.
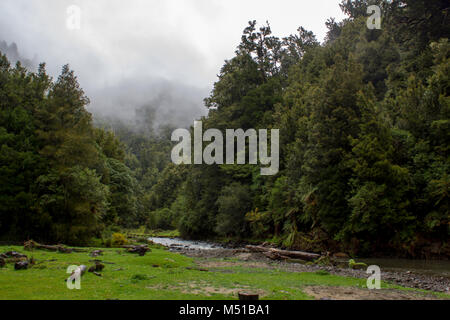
<point x="61" y="179"/>
<point x="364" y="123"/>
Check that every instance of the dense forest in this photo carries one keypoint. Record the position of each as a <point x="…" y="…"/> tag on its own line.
<point x="364" y="121"/>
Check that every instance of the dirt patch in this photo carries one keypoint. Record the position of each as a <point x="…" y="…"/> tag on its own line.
<point x="209" y="264"/>
<point x="350" y="293"/>
<point x="205" y="289"/>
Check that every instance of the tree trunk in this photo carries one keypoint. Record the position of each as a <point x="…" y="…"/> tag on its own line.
<point x="277" y="254"/>
<point x="30" y="245"/>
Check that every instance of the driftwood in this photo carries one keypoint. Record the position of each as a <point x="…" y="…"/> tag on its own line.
<point x="277" y="254"/>
<point x="31" y="245"/>
<point x="78" y="273"/>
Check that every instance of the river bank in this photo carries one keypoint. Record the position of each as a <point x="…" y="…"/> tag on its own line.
<point x="424" y="275"/>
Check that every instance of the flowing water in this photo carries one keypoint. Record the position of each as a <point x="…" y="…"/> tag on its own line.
<point x="185" y="244"/>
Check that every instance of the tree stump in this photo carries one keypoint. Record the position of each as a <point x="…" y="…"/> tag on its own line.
<point x="245" y="296"/>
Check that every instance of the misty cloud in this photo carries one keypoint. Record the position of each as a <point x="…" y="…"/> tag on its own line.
<point x="12" y="53"/>
<point x="147" y="105"/>
<point x="130" y="54"/>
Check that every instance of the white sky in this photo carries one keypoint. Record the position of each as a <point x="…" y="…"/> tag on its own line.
<point x="181" y="41"/>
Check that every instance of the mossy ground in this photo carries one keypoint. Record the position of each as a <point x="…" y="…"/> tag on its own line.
<point x="160" y="275"/>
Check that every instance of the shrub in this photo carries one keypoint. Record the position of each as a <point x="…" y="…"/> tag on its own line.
<point x="118" y="239"/>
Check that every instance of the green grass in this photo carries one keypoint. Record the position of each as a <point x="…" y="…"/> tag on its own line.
<point x="158" y="275"/>
<point x="153" y="233"/>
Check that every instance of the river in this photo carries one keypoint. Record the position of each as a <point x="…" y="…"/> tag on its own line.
<point x="186" y="244"/>
<point x="429" y="267"/>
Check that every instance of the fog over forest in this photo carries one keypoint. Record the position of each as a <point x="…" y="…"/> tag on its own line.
<point x="159" y="55"/>
<point x="101" y="151"/>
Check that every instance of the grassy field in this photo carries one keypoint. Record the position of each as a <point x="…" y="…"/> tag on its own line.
<point x="159" y="275"/>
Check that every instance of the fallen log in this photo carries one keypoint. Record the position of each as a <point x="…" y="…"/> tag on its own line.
<point x="31" y="245"/>
<point x="12" y="257"/>
<point x="77" y="273"/>
<point x="14" y="254"/>
<point x="277" y="254"/>
<point x="15" y="260"/>
<point x="141" y="250"/>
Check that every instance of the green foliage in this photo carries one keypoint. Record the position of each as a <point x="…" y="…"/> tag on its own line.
<point x="162" y="219"/>
<point x="57" y="171"/>
<point x="364" y="130"/>
<point x="118" y="239"/>
<point x="259" y="223"/>
<point x="124" y="192"/>
<point x="352" y="264"/>
<point x="233" y="204"/>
